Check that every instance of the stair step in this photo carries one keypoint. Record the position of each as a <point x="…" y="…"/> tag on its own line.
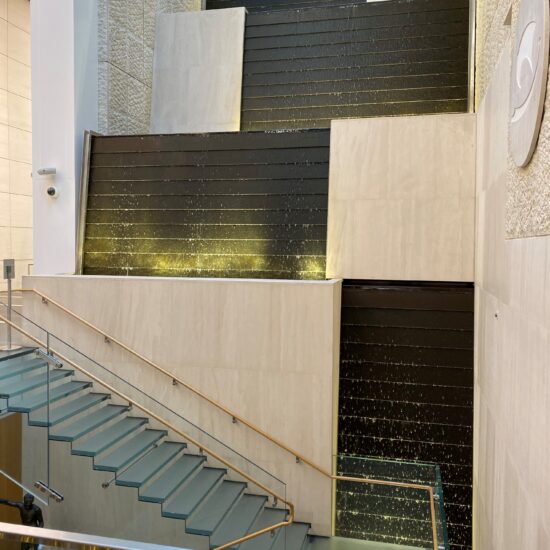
<point x="292" y="537"/>
<point x="148" y="466"/>
<point x="8" y="355"/>
<point x="206" y="519"/>
<point x="37" y="401"/>
<point x="16" y="368"/>
<point x="192" y="494"/>
<point x="268" y="517"/>
<point x="239" y="520"/>
<point x="17" y="387"/>
<point x="68" y="410"/>
<point x="171" y="479"/>
<point x="87" y="423"/>
<point x="129" y="451"/>
<point x="103" y="440"/>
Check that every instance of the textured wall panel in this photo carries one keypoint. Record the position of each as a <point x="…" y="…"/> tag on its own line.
<point x="305" y="67"/>
<point x="406" y="379"/>
<point x="198" y="71"/>
<point x="220" y="205"/>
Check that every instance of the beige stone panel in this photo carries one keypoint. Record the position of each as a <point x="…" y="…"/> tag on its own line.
<point x="4" y="118"/>
<point x="19" y="112"/>
<point x="20" y="178"/>
<point x="19" y="14"/>
<point x="21" y="243"/>
<point x="4" y="210"/>
<point x="4" y="9"/>
<point x="19" y="78"/>
<point x="3" y="37"/>
<point x="5" y="242"/>
<point x="20" y="145"/>
<point x="3" y="72"/>
<point x="4" y="176"/>
<point x="4" y="141"/>
<point x="19" y="44"/>
<point x="197" y="71"/>
<point x="20" y="211"/>
<point x="257" y="363"/>
<point x="401" y="198"/>
<point x="511" y="473"/>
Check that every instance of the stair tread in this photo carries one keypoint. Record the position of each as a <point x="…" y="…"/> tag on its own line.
<point x="291" y="537"/>
<point x="17" y="387"/>
<point x="39" y="400"/>
<point x="104" y="439"/>
<point x="12" y="354"/>
<point x="68" y="410"/>
<point x="129" y="451"/>
<point x="15" y="368"/>
<point x="192" y="494"/>
<point x="171" y="479"/>
<point x="87" y="423"/>
<point x="212" y="512"/>
<point x="148" y="466"/>
<point x="268" y="517"/>
<point x="239" y="520"/>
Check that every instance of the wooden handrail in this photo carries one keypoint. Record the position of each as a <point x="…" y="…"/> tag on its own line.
<point x="299" y="458"/>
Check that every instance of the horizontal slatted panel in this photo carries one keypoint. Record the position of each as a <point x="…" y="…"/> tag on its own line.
<point x="223" y="205"/>
<point x="305" y="67"/>
<point x="406" y="392"/>
<point x="271" y="5"/>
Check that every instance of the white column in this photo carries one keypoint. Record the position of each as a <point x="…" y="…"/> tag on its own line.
<point x="65" y="103"/>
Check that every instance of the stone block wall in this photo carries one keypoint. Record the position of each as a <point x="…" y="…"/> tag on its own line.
<point x="126" y="45"/>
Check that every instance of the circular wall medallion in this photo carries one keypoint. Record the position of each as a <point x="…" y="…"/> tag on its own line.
<point x="529" y="78"/>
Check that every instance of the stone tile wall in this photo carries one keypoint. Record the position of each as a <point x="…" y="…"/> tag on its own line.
<point x="15" y="136"/>
<point x="126" y="45"/>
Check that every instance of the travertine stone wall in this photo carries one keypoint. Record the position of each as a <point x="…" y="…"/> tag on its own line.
<point x="512" y="388"/>
<point x="126" y="46"/>
<point x="15" y="136"/>
<point x="528" y="197"/>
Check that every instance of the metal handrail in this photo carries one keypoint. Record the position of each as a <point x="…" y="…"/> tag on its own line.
<point x="21" y="486"/>
<point x="299" y="458"/>
<point x="66" y="539"/>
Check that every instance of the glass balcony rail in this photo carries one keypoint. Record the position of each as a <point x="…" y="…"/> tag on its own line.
<point x="399" y="512"/>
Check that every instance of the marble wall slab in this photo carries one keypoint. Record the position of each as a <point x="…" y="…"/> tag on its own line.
<point x="197" y="72"/>
<point x="401" y="198"/>
<point x="268" y="350"/>
<point x="512" y="385"/>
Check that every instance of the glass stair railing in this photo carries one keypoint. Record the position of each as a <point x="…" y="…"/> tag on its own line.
<point x="135" y="441"/>
<point x="407" y="516"/>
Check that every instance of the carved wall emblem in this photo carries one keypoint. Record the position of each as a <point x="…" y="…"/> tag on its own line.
<point x="529" y="78"/>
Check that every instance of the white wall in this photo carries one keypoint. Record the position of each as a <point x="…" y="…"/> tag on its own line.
<point x="512" y="381"/>
<point x="268" y="350"/>
<point x="65" y="88"/>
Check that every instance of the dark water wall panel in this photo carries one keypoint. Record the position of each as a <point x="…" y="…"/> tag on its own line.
<point x="406" y="391"/>
<point x="209" y="205"/>
<point x="303" y="68"/>
<point x="276" y="5"/>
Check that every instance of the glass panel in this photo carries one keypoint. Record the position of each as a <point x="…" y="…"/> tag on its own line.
<point x="386" y="513"/>
<point x="85" y="411"/>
